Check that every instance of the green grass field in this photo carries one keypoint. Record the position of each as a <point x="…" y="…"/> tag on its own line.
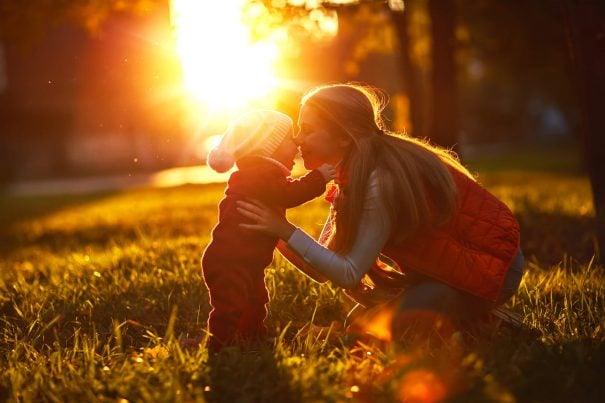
<point x="96" y="290"/>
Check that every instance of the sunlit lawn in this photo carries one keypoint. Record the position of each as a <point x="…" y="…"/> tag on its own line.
<point x="94" y="291"/>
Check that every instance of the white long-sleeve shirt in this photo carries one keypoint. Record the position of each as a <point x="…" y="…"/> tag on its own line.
<point x="347" y="270"/>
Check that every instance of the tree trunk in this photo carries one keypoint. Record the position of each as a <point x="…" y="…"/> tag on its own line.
<point x="444" y="121"/>
<point x="585" y="21"/>
<point x="410" y="73"/>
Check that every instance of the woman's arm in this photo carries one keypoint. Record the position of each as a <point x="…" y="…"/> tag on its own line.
<point x="343" y="270"/>
<point x="347" y="270"/>
<point x="298" y="262"/>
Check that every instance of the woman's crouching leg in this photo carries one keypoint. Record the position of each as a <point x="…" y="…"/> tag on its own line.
<point x="433" y="308"/>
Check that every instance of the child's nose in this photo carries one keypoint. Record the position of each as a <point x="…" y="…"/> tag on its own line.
<point x="297" y="140"/>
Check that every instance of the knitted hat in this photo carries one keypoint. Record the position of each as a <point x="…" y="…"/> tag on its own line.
<point x="259" y="133"/>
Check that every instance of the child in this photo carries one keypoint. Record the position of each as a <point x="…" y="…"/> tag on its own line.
<point x="260" y="144"/>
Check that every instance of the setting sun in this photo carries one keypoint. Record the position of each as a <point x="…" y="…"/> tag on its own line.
<point x="222" y="66"/>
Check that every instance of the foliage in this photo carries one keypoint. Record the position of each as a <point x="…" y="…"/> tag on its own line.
<point x="515" y="71"/>
<point x="25" y="21"/>
<point x="96" y="290"/>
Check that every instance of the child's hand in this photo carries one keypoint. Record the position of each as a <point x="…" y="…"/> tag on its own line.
<point x="327" y="171"/>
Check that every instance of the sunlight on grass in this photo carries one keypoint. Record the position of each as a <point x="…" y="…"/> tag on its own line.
<point x="95" y="294"/>
<point x="541" y="192"/>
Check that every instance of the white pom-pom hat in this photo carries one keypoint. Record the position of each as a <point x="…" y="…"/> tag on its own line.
<point x="258" y="132"/>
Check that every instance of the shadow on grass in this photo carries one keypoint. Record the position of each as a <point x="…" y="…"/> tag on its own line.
<point x="550" y="237"/>
<point x="57" y="240"/>
<point x="504" y="364"/>
<point x="15" y="209"/>
<point x="162" y="220"/>
<point x="533" y="369"/>
<point x="574" y="372"/>
<point x="18" y="209"/>
<point x="241" y="376"/>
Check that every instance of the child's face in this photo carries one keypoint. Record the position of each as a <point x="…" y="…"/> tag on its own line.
<point x="286" y="151"/>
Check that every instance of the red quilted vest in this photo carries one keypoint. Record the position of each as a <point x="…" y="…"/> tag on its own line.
<point x="473" y="252"/>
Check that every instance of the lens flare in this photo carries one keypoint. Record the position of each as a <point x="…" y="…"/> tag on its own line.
<point x="421" y="386"/>
<point x="379" y="326"/>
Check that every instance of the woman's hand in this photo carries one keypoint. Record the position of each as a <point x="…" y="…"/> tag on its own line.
<point x="265" y="219"/>
<point x="327" y="171"/>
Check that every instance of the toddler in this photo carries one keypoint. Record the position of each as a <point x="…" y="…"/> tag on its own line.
<point x="260" y="144"/>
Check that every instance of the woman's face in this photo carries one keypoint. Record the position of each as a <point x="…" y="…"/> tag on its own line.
<point x="317" y="145"/>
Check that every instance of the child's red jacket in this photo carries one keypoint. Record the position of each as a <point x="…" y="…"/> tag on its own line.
<point x="233" y="247"/>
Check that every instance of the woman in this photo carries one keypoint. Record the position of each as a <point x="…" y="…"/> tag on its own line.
<point x="454" y="246"/>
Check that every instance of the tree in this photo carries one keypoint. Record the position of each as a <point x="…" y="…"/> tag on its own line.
<point x="409" y="71"/>
<point x="514" y="69"/>
<point x="585" y="21"/>
<point x="25" y="21"/>
<point x="444" y="124"/>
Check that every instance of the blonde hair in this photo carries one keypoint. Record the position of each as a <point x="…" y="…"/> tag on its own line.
<point x="413" y="176"/>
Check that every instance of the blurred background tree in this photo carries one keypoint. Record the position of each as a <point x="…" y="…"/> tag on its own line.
<point x="28" y="21"/>
<point x="585" y="22"/>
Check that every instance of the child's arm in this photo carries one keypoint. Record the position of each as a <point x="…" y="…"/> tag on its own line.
<point x="310" y="186"/>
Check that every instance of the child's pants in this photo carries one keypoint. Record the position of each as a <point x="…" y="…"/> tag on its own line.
<point x="238" y="297"/>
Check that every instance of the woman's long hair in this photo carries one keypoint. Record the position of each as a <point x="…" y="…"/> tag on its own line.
<point x="413" y="177"/>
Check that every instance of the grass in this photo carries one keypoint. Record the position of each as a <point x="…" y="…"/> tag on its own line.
<point x="96" y="290"/>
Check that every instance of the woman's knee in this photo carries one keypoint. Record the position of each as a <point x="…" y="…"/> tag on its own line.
<point x="435" y="307"/>
<point x="430" y="296"/>
<point x="513" y="278"/>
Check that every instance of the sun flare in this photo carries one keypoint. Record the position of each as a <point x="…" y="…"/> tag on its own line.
<point x="222" y="66"/>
